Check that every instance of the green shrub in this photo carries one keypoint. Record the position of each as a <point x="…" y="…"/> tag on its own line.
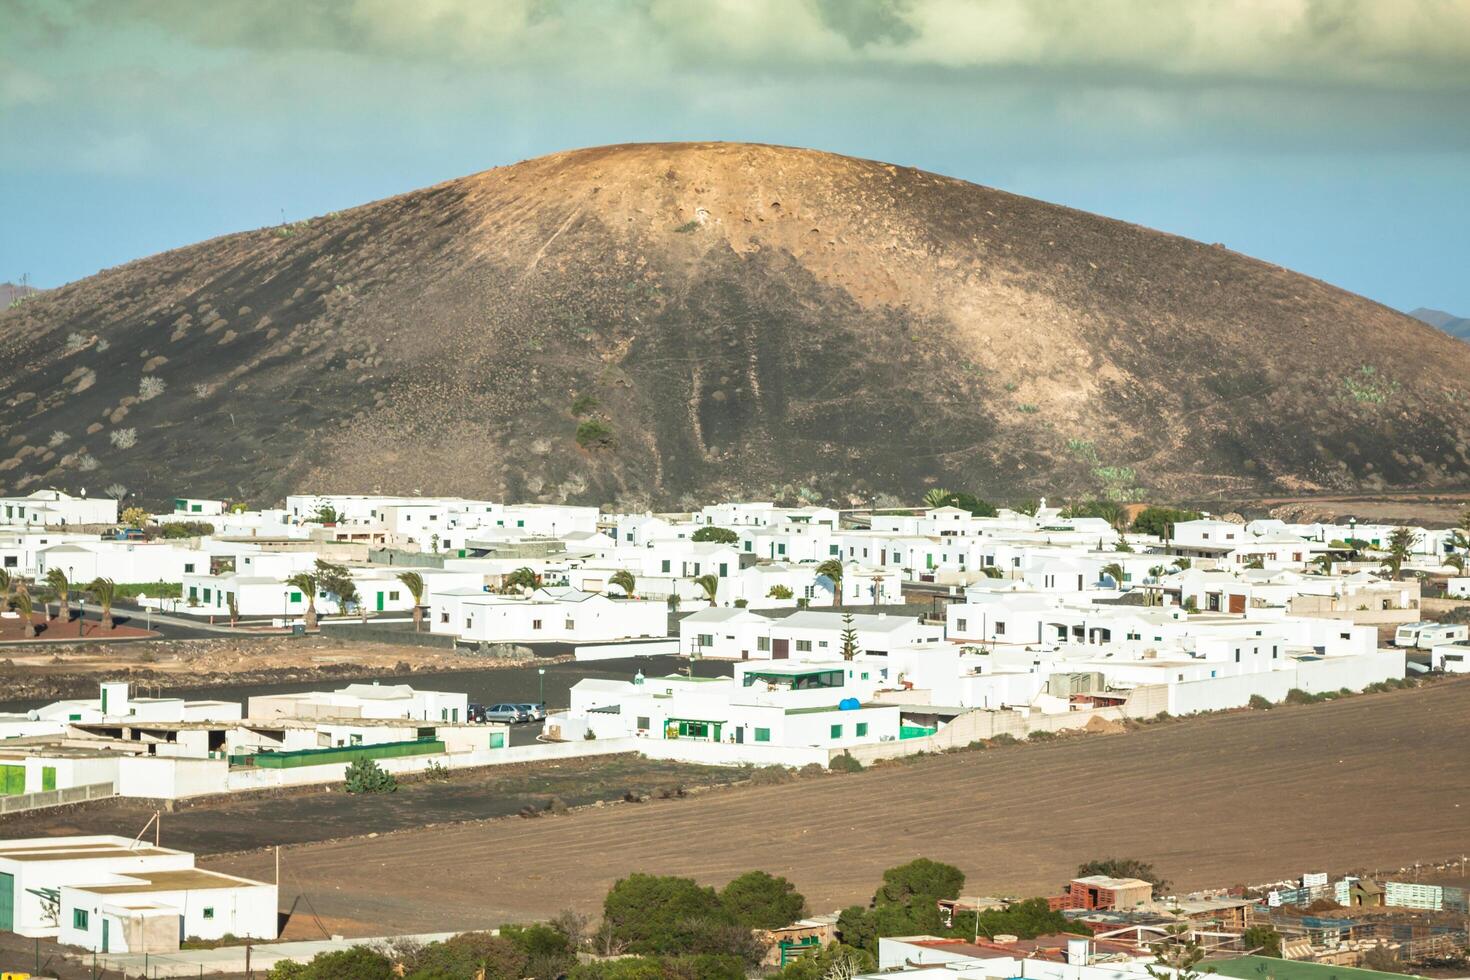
<point x="1004" y="738"/>
<point x="1041" y="735"/>
<point x="845" y="763"/>
<point x="366" y="776"/>
<point x="720" y="535"/>
<point x="583" y="404"/>
<point x="594" y="434"/>
<point x="1259" y="703"/>
<point x="687" y="227"/>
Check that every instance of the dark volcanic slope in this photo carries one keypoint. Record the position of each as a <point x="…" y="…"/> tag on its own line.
<point x="748" y="319"/>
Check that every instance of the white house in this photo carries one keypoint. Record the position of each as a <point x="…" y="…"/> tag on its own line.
<point x="51" y="508"/>
<point x="546" y="615"/>
<point x="363" y="701"/>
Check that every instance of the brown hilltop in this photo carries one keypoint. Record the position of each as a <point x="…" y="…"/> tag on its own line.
<point x="747" y="319"/>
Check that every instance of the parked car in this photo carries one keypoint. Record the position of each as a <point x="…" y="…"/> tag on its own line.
<point x="536" y="712"/>
<point x="510" y="713"/>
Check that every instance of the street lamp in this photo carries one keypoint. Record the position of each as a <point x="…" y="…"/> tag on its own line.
<point x="541" y="679"/>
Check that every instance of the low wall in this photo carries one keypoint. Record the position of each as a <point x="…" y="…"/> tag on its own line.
<point x="729" y="753"/>
<point x="978" y="725"/>
<point x="1313" y="676"/>
<point x="616" y="651"/>
<point x="56" y="797"/>
<point x="370" y="633"/>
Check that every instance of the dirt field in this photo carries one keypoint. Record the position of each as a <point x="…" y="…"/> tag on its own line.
<point x="1372" y="781"/>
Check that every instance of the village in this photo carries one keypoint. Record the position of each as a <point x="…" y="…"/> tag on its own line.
<point x="764" y="636"/>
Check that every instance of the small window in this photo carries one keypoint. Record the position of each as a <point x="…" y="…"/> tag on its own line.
<point x="804" y="646"/>
<point x="836" y="731"/>
<point x="1000" y="629"/>
<point x="962" y="624"/>
<point x="209" y="911"/>
<point x="862" y="728"/>
<point x="643" y="722"/>
<point x="79" y="919"/>
<point x="188" y="568"/>
<point x="295" y="596"/>
<point x="706" y="639"/>
<point x="763" y="643"/>
<point x="762" y="734"/>
<point x="664" y="565"/>
<point x="444" y="616"/>
<point x="535" y="624"/>
<point x="393" y="596"/>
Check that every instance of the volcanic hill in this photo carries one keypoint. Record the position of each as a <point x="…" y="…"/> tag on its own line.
<point x="642" y="324"/>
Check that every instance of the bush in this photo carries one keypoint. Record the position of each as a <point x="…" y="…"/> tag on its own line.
<point x="1259" y="703"/>
<point x="1042" y="735"/>
<point x="778" y="592"/>
<point x="845" y="763"/>
<point x="919" y="880"/>
<point x="187" y="529"/>
<point x="741" y="603"/>
<point x="1004" y="738"/>
<point x="771" y="776"/>
<point x="594" y="434"/>
<point x="357" y="963"/>
<point x="719" y="535"/>
<point x="1124" y="868"/>
<point x="661" y="914"/>
<point x="366" y="776"/>
<point x="583" y="404"/>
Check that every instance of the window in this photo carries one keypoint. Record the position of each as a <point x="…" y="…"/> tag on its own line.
<point x="961" y="624"/>
<point x="834" y="550"/>
<point x="1000" y="629"/>
<point x="821" y="643"/>
<point x="497" y="740"/>
<point x="763" y="643"/>
<point x="206" y="595"/>
<point x="1237" y="654"/>
<point x="355" y="739"/>
<point x="804" y="646"/>
<point x="762" y="734"/>
<point x="862" y="726"/>
<point x="393" y="596"/>
<point x="643" y="722"/>
<point x="188" y="568"/>
<point x="836" y="731"/>
<point x="194" y="593"/>
<point x="664" y="565"/>
<point x="535" y="624"/>
<point x="780" y="549"/>
<point x="79" y="919"/>
<point x="444" y="616"/>
<point x="706" y="639"/>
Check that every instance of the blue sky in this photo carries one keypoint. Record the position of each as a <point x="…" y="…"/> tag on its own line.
<point x="1329" y="136"/>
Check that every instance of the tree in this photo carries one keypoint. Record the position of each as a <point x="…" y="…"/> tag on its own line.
<point x="521" y="579"/>
<point x="849" y="638"/>
<point x="1323" y="562"/>
<point x="306" y="583"/>
<point x="832" y="570"/>
<point x="624" y="580"/>
<point x="355" y="963"/>
<point x="58" y="583"/>
<point x="233" y="604"/>
<point x="919" y="880"/>
<point x="25" y="606"/>
<point x="414" y="583"/>
<point x="710" y="584"/>
<point x="471" y="954"/>
<point x="1028" y="919"/>
<point x="1124" y="868"/>
<point x="1400" y="546"/>
<point x="1114" y="571"/>
<point x="778" y="592"/>
<point x="1176" y="955"/>
<point x="103" y="590"/>
<point x="1109" y="510"/>
<point x="1160" y="521"/>
<point x="936" y="497"/>
<point x="325" y="514"/>
<point x="758" y="900"/>
<point x="834" y="961"/>
<point x="366" y="776"/>
<point x="6" y="581"/>
<point x="1458" y="561"/>
<point x="134" y="517"/>
<point x="652" y="913"/>
<point x="719" y="535"/>
<point x="1262" y="940"/>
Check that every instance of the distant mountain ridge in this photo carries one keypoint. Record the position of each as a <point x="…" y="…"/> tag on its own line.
<point x="657" y="325"/>
<point x="1455" y="326"/>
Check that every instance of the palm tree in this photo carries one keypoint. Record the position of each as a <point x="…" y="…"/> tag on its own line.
<point x="1323" y="562"/>
<point x="307" y="583"/>
<point x="103" y="590"/>
<point x="710" y="584"/>
<point x="1400" y="544"/>
<point x="624" y="580"/>
<point x="936" y="497"/>
<point x="25" y="606"/>
<point x="414" y="583"/>
<point x="1114" y="571"/>
<point x="5" y="580"/>
<point x="234" y="606"/>
<point x="56" y="579"/>
<point x="522" y="578"/>
<point x="1457" y="561"/>
<point x="832" y="569"/>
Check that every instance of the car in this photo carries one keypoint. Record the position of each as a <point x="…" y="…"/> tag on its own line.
<point x="536" y="712"/>
<point x="511" y="714"/>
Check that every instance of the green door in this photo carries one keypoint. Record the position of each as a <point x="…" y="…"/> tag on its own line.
<point x="12" y="780"/>
<point x="48" y="777"/>
<point x="7" y="902"/>
<point x="106" y="946"/>
<point x="380" y="602"/>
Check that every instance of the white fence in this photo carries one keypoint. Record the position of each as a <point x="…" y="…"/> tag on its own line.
<point x="615" y="651"/>
<point x="56" y="797"/>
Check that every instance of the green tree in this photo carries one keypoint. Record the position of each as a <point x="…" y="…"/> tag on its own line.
<point x="103" y="591"/>
<point x="1160" y="521"/>
<point x="711" y="586"/>
<point x="936" y="497"/>
<point x="832" y="570"/>
<point x="1262" y="940"/>
<point x="335" y="579"/>
<point x="659" y="914"/>
<point x="134" y="517"/>
<point x="356" y="963"/>
<point x="306" y="584"/>
<point x="465" y="955"/>
<point x="1114" y="571"/>
<point x="919" y="880"/>
<point x="521" y="579"/>
<point x="1028" y="919"/>
<point x="26" y="607"/>
<point x="778" y="592"/>
<point x="57" y="581"/>
<point x="758" y="900"/>
<point x="366" y="776"/>
<point x="1400" y="546"/>
<point x="834" y="960"/>
<point x="624" y="580"/>
<point x="325" y="514"/>
<point x="548" y="950"/>
<point x="414" y="583"/>
<point x="1109" y="510"/>
<point x="1323" y="562"/>
<point x="719" y="535"/>
<point x="849" y="638"/>
<point x="1125" y="868"/>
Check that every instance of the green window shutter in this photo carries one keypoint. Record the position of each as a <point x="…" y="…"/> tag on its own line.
<point x="79" y="919"/>
<point x="836" y="731"/>
<point x="48" y="777"/>
<point x="762" y="734"/>
<point x="12" y="780"/>
<point x="862" y="728"/>
<point x="497" y="740"/>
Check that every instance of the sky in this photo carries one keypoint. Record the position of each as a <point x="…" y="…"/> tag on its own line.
<point x="1328" y="136"/>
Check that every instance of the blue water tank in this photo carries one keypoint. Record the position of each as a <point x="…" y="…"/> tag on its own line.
<point x="848" y="704"/>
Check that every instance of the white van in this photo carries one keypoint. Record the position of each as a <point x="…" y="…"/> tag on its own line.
<point x="1407" y="635"/>
<point x="1436" y="634"/>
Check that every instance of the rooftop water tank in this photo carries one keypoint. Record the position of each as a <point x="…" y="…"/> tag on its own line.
<point x="849" y="704"/>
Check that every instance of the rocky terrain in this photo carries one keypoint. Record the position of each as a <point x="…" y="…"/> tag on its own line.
<point x="642" y="324"/>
